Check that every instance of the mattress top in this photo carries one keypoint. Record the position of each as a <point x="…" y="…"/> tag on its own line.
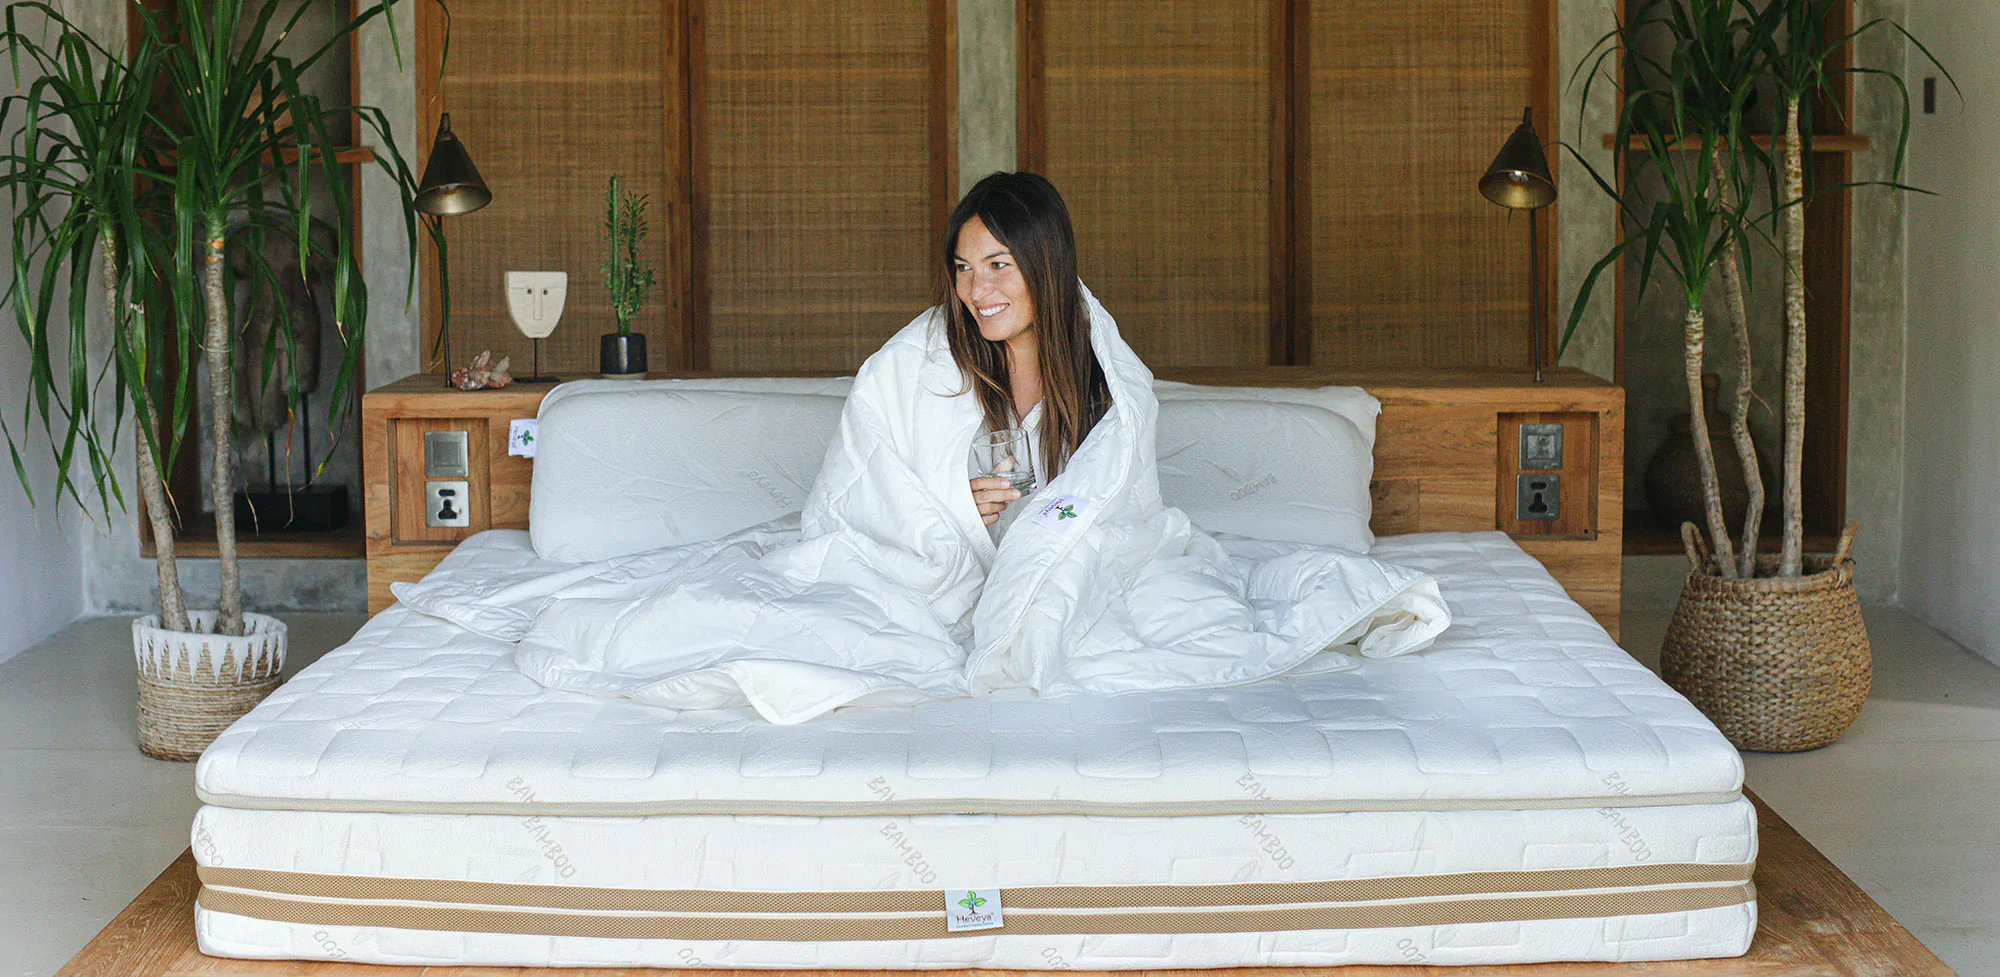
<point x="1524" y="703"/>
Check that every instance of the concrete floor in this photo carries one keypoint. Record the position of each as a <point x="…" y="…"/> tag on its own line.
<point x="1905" y="803"/>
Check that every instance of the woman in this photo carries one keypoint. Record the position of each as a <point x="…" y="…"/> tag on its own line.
<point x="892" y="589"/>
<point x="1017" y="323"/>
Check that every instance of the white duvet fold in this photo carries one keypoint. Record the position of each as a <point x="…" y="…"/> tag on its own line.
<point x="888" y="589"/>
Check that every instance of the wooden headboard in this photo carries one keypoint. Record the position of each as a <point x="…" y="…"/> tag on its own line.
<point x="1446" y="460"/>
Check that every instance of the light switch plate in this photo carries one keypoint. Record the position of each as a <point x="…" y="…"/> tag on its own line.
<point x="1541" y="447"/>
<point x="445" y="504"/>
<point x="1537" y="496"/>
<point x="445" y="455"/>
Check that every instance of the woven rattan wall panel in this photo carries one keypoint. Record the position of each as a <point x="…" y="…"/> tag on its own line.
<point x="1155" y="118"/>
<point x="552" y="97"/>
<point x="1409" y="100"/>
<point x="822" y="146"/>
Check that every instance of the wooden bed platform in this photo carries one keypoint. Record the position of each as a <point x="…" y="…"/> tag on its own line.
<point x="1812" y="922"/>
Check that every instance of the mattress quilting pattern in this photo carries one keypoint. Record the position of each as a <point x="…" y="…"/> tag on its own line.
<point x="1525" y="702"/>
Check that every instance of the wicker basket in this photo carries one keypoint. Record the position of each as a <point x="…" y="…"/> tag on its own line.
<point x="193" y="684"/>
<point x="1777" y="663"/>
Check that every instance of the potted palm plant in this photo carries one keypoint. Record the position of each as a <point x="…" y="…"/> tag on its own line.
<point x="1773" y="649"/>
<point x="139" y="170"/>
<point x="627" y="279"/>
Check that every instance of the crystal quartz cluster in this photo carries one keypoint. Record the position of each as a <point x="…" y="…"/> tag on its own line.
<point x="482" y="372"/>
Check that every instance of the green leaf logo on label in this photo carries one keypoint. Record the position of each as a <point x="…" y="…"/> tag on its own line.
<point x="972" y="901"/>
<point x="1062" y="512"/>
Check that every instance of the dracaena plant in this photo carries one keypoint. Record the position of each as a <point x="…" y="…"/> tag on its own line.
<point x="1681" y="114"/>
<point x="1798" y="55"/>
<point x="143" y="167"/>
<point x="82" y="144"/>
<point x="1694" y="66"/>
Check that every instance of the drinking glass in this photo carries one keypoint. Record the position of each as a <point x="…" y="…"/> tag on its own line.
<point x="1004" y="454"/>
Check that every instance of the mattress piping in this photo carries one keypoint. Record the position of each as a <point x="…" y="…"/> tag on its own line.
<point x="921" y="806"/>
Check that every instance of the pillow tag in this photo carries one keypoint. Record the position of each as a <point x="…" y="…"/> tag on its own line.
<point x="972" y="909"/>
<point x="521" y="436"/>
<point x="1061" y="512"/>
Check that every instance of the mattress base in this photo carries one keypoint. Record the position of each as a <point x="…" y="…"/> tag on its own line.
<point x="1723" y="931"/>
<point x="1079" y="892"/>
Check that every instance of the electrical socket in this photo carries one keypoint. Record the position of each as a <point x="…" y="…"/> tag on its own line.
<point x="445" y="504"/>
<point x="1537" y="496"/>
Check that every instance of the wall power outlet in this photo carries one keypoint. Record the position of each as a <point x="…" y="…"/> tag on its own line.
<point x="446" y="504"/>
<point x="1537" y="496"/>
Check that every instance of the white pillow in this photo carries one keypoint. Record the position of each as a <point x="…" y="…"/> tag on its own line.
<point x="1269" y="469"/>
<point x="824" y="386"/>
<point x="622" y="467"/>
<point x="1353" y="403"/>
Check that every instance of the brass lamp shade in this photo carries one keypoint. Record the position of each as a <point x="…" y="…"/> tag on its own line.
<point x="1519" y="177"/>
<point x="451" y="184"/>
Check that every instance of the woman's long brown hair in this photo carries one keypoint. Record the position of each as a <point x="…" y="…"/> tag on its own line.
<point x="1026" y="214"/>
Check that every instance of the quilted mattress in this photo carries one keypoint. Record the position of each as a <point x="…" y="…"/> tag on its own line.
<point x="1523" y="791"/>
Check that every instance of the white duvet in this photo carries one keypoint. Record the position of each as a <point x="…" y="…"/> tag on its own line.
<point x="888" y="588"/>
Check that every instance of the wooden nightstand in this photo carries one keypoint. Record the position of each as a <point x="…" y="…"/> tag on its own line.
<point x="394" y="420"/>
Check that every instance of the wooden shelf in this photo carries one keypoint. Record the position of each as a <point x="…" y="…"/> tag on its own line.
<point x="197" y="539"/>
<point x="1644" y="538"/>
<point x="345" y="155"/>
<point x="1832" y="142"/>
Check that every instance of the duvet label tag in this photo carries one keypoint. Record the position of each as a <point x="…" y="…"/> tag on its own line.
<point x="1061" y="512"/>
<point x="972" y="909"/>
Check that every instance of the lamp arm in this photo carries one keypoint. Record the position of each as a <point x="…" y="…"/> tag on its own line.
<point x="435" y="225"/>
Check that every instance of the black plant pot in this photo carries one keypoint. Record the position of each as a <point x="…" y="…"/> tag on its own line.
<point x="622" y="357"/>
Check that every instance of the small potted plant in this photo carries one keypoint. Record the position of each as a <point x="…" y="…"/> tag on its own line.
<point x="622" y="354"/>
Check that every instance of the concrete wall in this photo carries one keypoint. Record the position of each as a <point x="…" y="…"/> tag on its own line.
<point x="41" y="564"/>
<point x="1878" y="317"/>
<point x="1951" y="471"/>
<point x="41" y="545"/>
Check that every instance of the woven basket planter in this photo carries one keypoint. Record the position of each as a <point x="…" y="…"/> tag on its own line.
<point x="193" y="684"/>
<point x="1779" y="664"/>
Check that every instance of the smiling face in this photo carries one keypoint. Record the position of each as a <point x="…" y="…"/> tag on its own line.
<point x="988" y="282"/>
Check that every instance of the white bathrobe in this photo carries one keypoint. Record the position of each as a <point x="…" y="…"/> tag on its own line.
<point x="894" y="591"/>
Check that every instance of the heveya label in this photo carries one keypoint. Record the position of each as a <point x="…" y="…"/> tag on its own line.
<point x="972" y="909"/>
<point x="1061" y="512"/>
<point x="521" y="433"/>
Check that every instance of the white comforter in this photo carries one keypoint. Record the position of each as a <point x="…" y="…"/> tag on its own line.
<point x="889" y="589"/>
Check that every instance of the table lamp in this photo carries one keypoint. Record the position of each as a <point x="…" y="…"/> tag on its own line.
<point x="1519" y="180"/>
<point x="451" y="187"/>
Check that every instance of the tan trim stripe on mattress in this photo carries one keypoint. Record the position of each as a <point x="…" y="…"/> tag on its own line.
<point x="931" y="926"/>
<point x="907" y="808"/>
<point x="591" y="898"/>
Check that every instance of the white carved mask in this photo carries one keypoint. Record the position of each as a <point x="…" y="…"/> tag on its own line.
<point x="535" y="298"/>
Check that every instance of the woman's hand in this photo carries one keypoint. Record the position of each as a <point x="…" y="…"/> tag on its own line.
<point x="992" y="495"/>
